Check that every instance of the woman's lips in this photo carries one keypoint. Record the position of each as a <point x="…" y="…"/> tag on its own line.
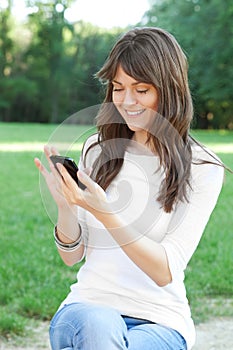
<point x="134" y="113"/>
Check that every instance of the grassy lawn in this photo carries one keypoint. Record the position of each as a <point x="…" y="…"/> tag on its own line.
<point x="33" y="278"/>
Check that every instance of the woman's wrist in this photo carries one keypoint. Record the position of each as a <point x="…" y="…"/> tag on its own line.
<point x="67" y="208"/>
<point x="67" y="227"/>
<point x="67" y="244"/>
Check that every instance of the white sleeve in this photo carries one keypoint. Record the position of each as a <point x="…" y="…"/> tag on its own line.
<point x="189" y="220"/>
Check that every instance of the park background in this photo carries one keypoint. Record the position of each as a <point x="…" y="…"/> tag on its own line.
<point x="47" y="67"/>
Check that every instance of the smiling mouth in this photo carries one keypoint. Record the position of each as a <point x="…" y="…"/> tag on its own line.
<point x="134" y="113"/>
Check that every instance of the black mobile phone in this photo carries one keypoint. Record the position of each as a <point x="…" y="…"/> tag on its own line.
<point x="70" y="166"/>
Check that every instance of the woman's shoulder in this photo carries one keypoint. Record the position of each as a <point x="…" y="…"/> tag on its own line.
<point x="206" y="165"/>
<point x="90" y="141"/>
<point x="203" y="153"/>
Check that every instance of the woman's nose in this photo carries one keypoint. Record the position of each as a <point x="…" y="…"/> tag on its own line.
<point x="129" y="98"/>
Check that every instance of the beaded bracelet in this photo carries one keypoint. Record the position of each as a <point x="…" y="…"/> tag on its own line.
<point x="67" y="247"/>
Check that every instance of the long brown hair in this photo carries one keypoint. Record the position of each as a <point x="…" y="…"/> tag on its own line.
<point x="150" y="55"/>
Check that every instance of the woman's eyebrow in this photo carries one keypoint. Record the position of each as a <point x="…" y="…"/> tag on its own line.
<point x="117" y="82"/>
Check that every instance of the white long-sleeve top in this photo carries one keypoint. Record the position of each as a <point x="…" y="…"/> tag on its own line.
<point x="109" y="277"/>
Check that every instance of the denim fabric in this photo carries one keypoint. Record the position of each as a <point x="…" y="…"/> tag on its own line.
<point x="94" y="327"/>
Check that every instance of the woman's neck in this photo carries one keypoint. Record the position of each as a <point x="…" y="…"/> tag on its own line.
<point x="141" y="148"/>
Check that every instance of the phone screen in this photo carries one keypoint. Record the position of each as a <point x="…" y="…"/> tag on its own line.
<point x="70" y="166"/>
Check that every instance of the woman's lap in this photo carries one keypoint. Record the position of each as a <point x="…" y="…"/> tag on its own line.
<point x="82" y="326"/>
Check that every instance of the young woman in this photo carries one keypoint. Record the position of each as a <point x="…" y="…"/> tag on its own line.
<point x="150" y="190"/>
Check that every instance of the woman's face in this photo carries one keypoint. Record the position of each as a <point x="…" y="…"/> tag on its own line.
<point x="136" y="101"/>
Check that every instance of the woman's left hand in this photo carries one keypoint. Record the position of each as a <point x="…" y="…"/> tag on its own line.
<point x="93" y="198"/>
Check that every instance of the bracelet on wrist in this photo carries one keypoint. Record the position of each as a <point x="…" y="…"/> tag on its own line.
<point x="68" y="247"/>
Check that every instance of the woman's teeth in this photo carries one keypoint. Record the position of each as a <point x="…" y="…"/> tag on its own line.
<point x="134" y="113"/>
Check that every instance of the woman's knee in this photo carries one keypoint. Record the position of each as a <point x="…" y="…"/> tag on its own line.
<point x="85" y="321"/>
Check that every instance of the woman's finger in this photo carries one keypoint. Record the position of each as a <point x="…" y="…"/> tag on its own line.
<point x="50" y="151"/>
<point x="88" y="171"/>
<point x="54" y="151"/>
<point x="91" y="185"/>
<point x="41" y="167"/>
<point x="67" y="178"/>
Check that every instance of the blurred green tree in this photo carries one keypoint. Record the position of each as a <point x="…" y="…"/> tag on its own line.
<point x="204" y="29"/>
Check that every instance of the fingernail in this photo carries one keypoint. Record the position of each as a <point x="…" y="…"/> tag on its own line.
<point x="80" y="173"/>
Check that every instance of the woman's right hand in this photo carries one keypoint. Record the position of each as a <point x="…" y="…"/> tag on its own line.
<point x="53" y="178"/>
<point x="67" y="222"/>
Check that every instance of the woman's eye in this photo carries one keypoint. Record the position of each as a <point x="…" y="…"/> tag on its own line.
<point x="142" y="91"/>
<point x="117" y="89"/>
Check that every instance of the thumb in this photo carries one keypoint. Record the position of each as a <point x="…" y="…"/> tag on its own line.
<point x="88" y="171"/>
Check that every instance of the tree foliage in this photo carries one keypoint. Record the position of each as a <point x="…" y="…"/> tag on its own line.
<point x="47" y="65"/>
<point x="204" y="28"/>
<point x="51" y="76"/>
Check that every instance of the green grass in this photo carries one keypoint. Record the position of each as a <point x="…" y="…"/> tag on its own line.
<point x="33" y="278"/>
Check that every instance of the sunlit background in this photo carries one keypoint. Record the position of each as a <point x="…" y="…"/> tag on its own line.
<point x="51" y="49"/>
<point x="104" y="13"/>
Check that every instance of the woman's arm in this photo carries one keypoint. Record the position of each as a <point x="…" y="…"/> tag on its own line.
<point x="68" y="231"/>
<point x="148" y="255"/>
<point x="163" y="261"/>
<point x="68" y="228"/>
<point x="160" y="261"/>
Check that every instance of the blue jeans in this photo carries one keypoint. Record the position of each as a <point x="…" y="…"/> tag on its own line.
<point x="93" y="327"/>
